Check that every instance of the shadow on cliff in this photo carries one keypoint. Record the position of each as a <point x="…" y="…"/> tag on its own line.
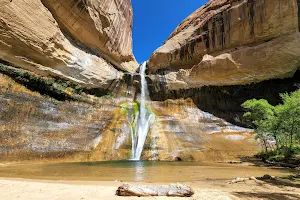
<point x="225" y="101"/>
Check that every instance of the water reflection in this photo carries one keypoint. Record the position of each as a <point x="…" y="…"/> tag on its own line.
<point x="139" y="170"/>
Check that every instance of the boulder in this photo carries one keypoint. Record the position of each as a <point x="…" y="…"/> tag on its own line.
<point x="173" y="190"/>
<point x="231" y="42"/>
<point x="266" y="177"/>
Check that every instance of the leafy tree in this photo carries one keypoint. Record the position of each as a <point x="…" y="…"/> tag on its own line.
<point x="261" y="113"/>
<point x="290" y="112"/>
<point x="280" y="123"/>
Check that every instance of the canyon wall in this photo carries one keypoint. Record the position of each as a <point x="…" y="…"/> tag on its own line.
<point x="74" y="97"/>
<point x="88" y="42"/>
<point x="103" y="26"/>
<point x="36" y="127"/>
<point x="229" y="51"/>
<point x="64" y="69"/>
<point x="231" y="42"/>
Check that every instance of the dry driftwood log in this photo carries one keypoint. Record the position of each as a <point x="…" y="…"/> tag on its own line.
<point x="172" y="190"/>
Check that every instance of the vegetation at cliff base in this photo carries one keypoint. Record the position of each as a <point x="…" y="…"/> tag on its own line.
<point x="277" y="127"/>
<point x="54" y="87"/>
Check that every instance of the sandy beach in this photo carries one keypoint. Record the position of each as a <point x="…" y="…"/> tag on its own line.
<point x="24" y="189"/>
<point x="99" y="181"/>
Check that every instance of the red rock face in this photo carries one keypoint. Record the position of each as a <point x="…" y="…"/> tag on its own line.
<point x="247" y="41"/>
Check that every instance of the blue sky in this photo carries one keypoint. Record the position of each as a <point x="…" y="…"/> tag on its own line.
<point x="154" y="21"/>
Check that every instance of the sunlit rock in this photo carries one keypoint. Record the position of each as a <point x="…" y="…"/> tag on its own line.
<point x="77" y="40"/>
<point x="36" y="127"/>
<point x="105" y="26"/>
<point x="182" y="132"/>
<point x="231" y="42"/>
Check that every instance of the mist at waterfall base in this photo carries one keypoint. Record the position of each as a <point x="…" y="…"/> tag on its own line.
<point x="145" y="118"/>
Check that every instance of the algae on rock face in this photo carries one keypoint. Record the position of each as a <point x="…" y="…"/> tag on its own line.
<point x="54" y="87"/>
<point x="133" y="114"/>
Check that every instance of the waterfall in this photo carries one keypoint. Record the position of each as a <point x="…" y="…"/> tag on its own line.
<point x="144" y="119"/>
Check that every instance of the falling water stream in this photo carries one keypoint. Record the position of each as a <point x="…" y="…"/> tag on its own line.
<point x="144" y="118"/>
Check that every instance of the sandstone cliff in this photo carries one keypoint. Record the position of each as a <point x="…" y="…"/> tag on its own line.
<point x="34" y="127"/>
<point x="84" y="41"/>
<point x="225" y="42"/>
<point x="229" y="42"/>
<point x="101" y="25"/>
